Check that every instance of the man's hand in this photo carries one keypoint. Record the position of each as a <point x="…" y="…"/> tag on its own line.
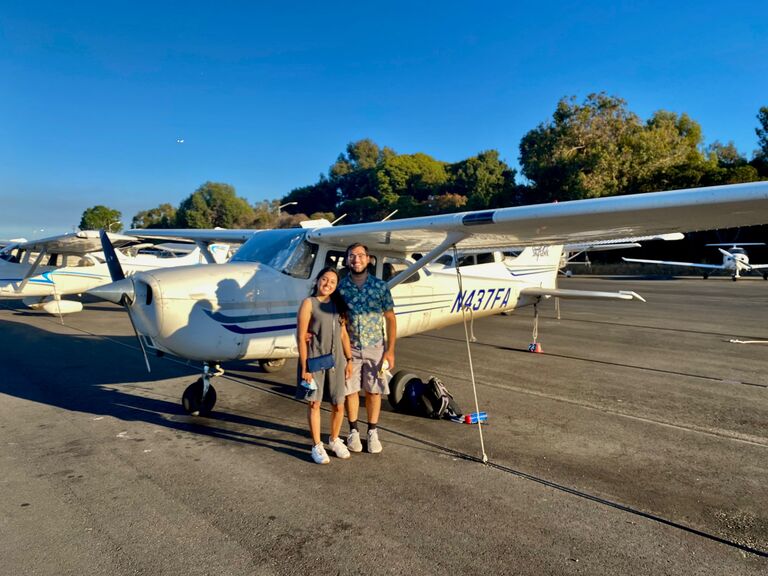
<point x="389" y="357"/>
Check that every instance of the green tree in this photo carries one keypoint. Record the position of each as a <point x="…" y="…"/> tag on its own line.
<point x="666" y="154"/>
<point x="760" y="159"/>
<point x="480" y="178"/>
<point x="725" y="155"/>
<point x="444" y="203"/>
<point x="762" y="132"/>
<point x="164" y="216"/>
<point x="99" y="217"/>
<point x="583" y="151"/>
<point x="214" y="204"/>
<point x="416" y="175"/>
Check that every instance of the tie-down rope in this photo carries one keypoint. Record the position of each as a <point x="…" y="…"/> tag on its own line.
<point x="469" y="351"/>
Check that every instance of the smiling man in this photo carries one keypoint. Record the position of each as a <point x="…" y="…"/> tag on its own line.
<point x="370" y="308"/>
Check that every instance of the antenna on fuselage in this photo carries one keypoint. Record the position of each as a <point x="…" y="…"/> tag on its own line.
<point x="388" y="216"/>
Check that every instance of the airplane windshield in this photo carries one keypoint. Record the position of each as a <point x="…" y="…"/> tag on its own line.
<point x="284" y="250"/>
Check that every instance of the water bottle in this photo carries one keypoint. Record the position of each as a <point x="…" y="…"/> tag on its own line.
<point x="311" y="386"/>
<point x="475" y="417"/>
<point x="384" y="371"/>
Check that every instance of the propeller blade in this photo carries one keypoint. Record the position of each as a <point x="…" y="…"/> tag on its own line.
<point x="725" y="253"/>
<point x="120" y="290"/>
<point x="141" y="343"/>
<point x="115" y="269"/>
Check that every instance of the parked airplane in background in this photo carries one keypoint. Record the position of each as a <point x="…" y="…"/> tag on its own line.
<point x="735" y="260"/>
<point x="246" y="309"/>
<point x="573" y="251"/>
<point x="42" y="271"/>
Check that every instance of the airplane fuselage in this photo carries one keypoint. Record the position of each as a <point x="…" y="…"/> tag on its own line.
<point x="247" y="310"/>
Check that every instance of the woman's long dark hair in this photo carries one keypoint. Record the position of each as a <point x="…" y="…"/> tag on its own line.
<point x="336" y="298"/>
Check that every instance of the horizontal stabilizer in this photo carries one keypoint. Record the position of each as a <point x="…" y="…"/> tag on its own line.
<point x="666" y="263"/>
<point x="582" y="294"/>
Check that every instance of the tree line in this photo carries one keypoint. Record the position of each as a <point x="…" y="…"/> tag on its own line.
<point x="587" y="149"/>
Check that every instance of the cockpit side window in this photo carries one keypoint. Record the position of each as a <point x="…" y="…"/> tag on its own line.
<point x="299" y="264"/>
<point x="391" y="267"/>
<point x="286" y="251"/>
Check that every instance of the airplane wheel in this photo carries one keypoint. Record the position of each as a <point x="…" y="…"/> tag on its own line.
<point x="397" y="387"/>
<point x="733" y="278"/>
<point x="193" y="402"/>
<point x="706" y="276"/>
<point x="765" y="276"/>
<point x="272" y="365"/>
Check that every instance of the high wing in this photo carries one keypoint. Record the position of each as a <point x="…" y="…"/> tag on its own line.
<point x="564" y="222"/>
<point x="202" y="235"/>
<point x="666" y="263"/>
<point x="79" y="243"/>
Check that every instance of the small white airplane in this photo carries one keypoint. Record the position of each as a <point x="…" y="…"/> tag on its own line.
<point x="573" y="251"/>
<point x="41" y="271"/>
<point x="735" y="260"/>
<point x="246" y="309"/>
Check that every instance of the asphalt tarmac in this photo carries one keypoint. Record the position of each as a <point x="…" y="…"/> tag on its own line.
<point x="637" y="443"/>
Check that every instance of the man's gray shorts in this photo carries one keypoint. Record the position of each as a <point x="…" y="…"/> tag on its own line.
<point x="366" y="366"/>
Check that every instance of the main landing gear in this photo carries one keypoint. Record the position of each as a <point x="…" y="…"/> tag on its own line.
<point x="271" y="366"/>
<point x="200" y="397"/>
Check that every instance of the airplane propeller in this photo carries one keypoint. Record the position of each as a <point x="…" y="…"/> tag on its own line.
<point x="729" y="255"/>
<point x="121" y="290"/>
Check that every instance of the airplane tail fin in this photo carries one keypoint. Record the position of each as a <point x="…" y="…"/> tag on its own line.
<point x="543" y="261"/>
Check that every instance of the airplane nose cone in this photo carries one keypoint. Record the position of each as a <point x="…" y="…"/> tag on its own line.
<point x="114" y="291"/>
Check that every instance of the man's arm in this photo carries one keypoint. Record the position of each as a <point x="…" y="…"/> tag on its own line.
<point x="391" y="322"/>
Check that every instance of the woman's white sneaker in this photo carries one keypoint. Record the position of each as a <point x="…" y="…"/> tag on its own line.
<point x="338" y="448"/>
<point x="319" y="455"/>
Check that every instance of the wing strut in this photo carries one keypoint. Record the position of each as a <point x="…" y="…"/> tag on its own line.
<point x="205" y="250"/>
<point x="31" y="271"/>
<point x="450" y="239"/>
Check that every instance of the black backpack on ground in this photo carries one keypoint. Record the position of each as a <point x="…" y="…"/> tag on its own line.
<point x="431" y="399"/>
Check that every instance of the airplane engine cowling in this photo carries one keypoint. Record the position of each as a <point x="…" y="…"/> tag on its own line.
<point x="177" y="308"/>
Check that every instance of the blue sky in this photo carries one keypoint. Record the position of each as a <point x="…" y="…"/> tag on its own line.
<point x="266" y="95"/>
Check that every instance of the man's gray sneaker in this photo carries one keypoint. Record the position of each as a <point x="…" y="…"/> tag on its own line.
<point x="374" y="446"/>
<point x="338" y="448"/>
<point x="353" y="442"/>
<point x="319" y="455"/>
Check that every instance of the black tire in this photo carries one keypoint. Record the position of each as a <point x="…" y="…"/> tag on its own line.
<point x="397" y="388"/>
<point x="733" y="278"/>
<point x="706" y="276"/>
<point x="192" y="400"/>
<point x="271" y="366"/>
<point x="765" y="275"/>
